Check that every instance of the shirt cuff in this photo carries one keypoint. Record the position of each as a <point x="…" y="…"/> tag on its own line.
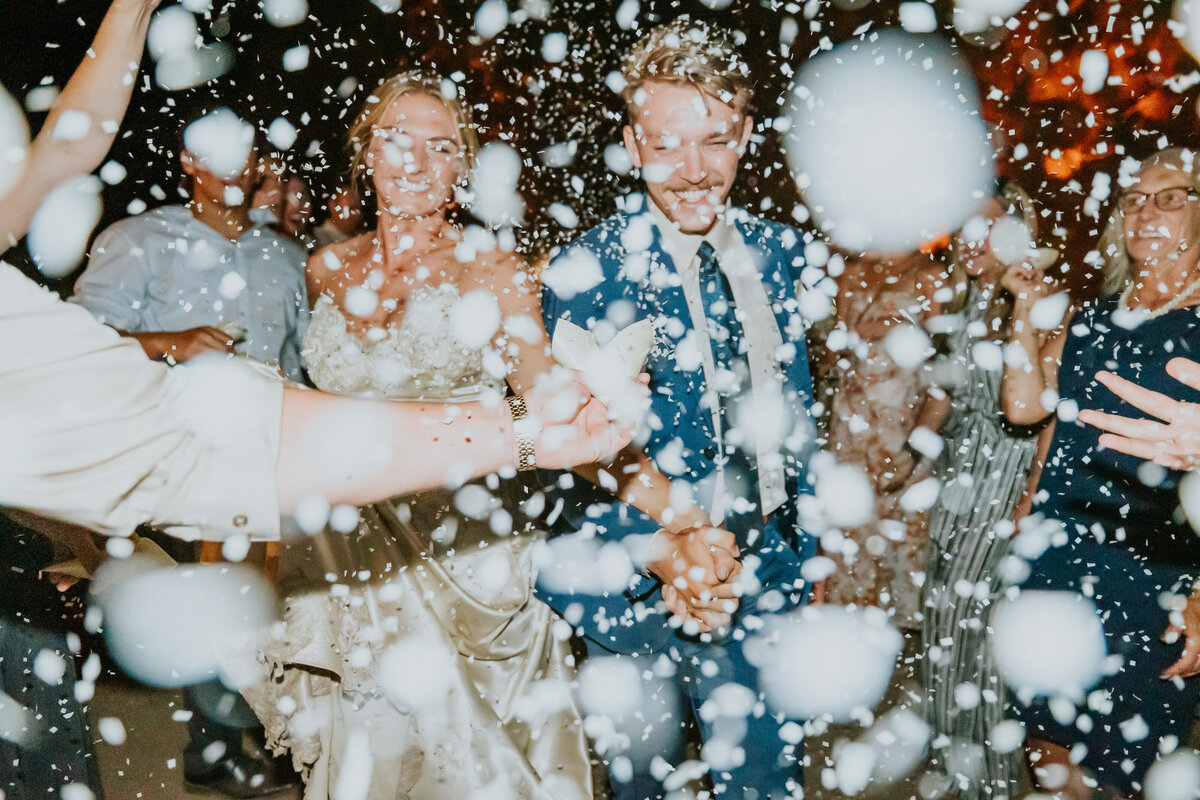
<point x="228" y="485"/>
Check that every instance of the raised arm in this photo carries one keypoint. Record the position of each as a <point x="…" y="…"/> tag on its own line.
<point x="99" y="89"/>
<point x="1024" y="384"/>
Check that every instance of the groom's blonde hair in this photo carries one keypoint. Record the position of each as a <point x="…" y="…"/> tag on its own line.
<point x="691" y="52"/>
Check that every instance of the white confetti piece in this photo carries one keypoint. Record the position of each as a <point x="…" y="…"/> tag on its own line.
<point x="491" y="18"/>
<point x="112" y="731"/>
<point x="59" y="233"/>
<point x="858" y="654"/>
<point x="871" y="121"/>
<point x="1049" y="643"/>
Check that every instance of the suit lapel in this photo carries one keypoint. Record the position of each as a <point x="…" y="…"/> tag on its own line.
<point x="769" y="256"/>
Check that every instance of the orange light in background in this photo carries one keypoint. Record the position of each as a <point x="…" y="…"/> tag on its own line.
<point x="1065" y="165"/>
<point x="933" y="245"/>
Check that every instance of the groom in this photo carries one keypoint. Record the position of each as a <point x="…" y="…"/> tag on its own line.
<point x="731" y="390"/>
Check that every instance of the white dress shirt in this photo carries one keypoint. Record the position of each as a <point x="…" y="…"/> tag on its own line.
<point x="763" y="345"/>
<point x="93" y="432"/>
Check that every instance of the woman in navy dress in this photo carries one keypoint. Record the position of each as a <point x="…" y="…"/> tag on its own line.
<point x="1127" y="543"/>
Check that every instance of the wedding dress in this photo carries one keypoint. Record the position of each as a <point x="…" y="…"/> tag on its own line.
<point x="416" y="638"/>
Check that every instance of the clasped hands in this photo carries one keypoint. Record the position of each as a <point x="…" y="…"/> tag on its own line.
<point x="699" y="569"/>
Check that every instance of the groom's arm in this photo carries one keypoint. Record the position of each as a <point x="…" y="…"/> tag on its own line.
<point x="638" y="498"/>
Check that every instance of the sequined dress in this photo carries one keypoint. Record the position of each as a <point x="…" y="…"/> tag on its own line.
<point x="983" y="470"/>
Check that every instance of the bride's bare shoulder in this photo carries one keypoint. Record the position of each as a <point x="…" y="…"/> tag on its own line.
<point x="337" y="266"/>
<point x="501" y="270"/>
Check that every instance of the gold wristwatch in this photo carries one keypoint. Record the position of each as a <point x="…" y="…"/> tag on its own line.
<point x="522" y="433"/>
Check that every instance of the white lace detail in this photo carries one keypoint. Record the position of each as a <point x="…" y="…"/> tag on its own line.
<point x="415" y="360"/>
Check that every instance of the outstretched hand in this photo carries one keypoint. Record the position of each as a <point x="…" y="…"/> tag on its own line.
<point x="573" y="426"/>
<point x="1185" y="623"/>
<point x="1173" y="443"/>
<point x="698" y="568"/>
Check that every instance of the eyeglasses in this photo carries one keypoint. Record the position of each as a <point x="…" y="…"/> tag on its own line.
<point x="1171" y="199"/>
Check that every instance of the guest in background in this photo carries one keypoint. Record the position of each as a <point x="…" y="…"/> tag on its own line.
<point x="42" y="759"/>
<point x="297" y="218"/>
<point x="269" y="196"/>
<point x="204" y="277"/>
<point x="983" y="467"/>
<point x="877" y="405"/>
<point x="344" y="218"/>
<point x="154" y="277"/>
<point x="283" y="202"/>
<point x="1124" y="545"/>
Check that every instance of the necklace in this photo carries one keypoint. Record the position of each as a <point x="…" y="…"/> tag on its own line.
<point x="1153" y="313"/>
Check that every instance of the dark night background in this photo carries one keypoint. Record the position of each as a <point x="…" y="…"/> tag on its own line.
<point x="520" y="98"/>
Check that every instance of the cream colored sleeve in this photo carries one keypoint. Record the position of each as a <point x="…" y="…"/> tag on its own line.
<point x="94" y="433"/>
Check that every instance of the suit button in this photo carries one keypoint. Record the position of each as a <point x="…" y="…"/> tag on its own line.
<point x="709" y="452"/>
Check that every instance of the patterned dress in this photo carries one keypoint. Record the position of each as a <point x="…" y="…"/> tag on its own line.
<point x="874" y="410"/>
<point x="983" y="470"/>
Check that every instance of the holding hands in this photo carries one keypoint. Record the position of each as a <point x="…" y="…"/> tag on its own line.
<point x="699" y="568"/>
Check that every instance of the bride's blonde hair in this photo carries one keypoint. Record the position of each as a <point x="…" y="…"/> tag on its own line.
<point x="413" y="81"/>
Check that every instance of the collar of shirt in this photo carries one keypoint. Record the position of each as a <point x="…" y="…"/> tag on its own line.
<point x="682" y="247"/>
<point x="183" y="224"/>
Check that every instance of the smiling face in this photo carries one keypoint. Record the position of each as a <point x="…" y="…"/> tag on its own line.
<point x="415" y="156"/>
<point x="972" y="241"/>
<point x="1151" y="234"/>
<point x="687" y="145"/>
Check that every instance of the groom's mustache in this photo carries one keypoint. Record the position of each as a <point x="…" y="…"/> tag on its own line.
<point x="688" y="187"/>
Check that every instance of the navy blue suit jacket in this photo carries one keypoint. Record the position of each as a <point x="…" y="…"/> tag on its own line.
<point x="641" y="282"/>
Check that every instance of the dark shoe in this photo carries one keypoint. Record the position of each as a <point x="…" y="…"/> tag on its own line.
<point x="242" y="776"/>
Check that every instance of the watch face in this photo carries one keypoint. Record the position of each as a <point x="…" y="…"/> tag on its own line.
<point x="527" y="427"/>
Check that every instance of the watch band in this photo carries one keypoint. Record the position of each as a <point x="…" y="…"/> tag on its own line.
<point x="526" y="456"/>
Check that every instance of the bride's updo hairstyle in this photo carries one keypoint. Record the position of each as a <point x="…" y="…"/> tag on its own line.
<point x="413" y="81"/>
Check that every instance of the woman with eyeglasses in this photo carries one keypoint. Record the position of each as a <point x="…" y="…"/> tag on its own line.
<point x="1124" y="543"/>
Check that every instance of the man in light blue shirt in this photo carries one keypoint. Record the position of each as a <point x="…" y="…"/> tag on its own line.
<point x="184" y="280"/>
<point x="194" y="279"/>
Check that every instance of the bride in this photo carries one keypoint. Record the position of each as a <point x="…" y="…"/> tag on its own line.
<point x="413" y="658"/>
